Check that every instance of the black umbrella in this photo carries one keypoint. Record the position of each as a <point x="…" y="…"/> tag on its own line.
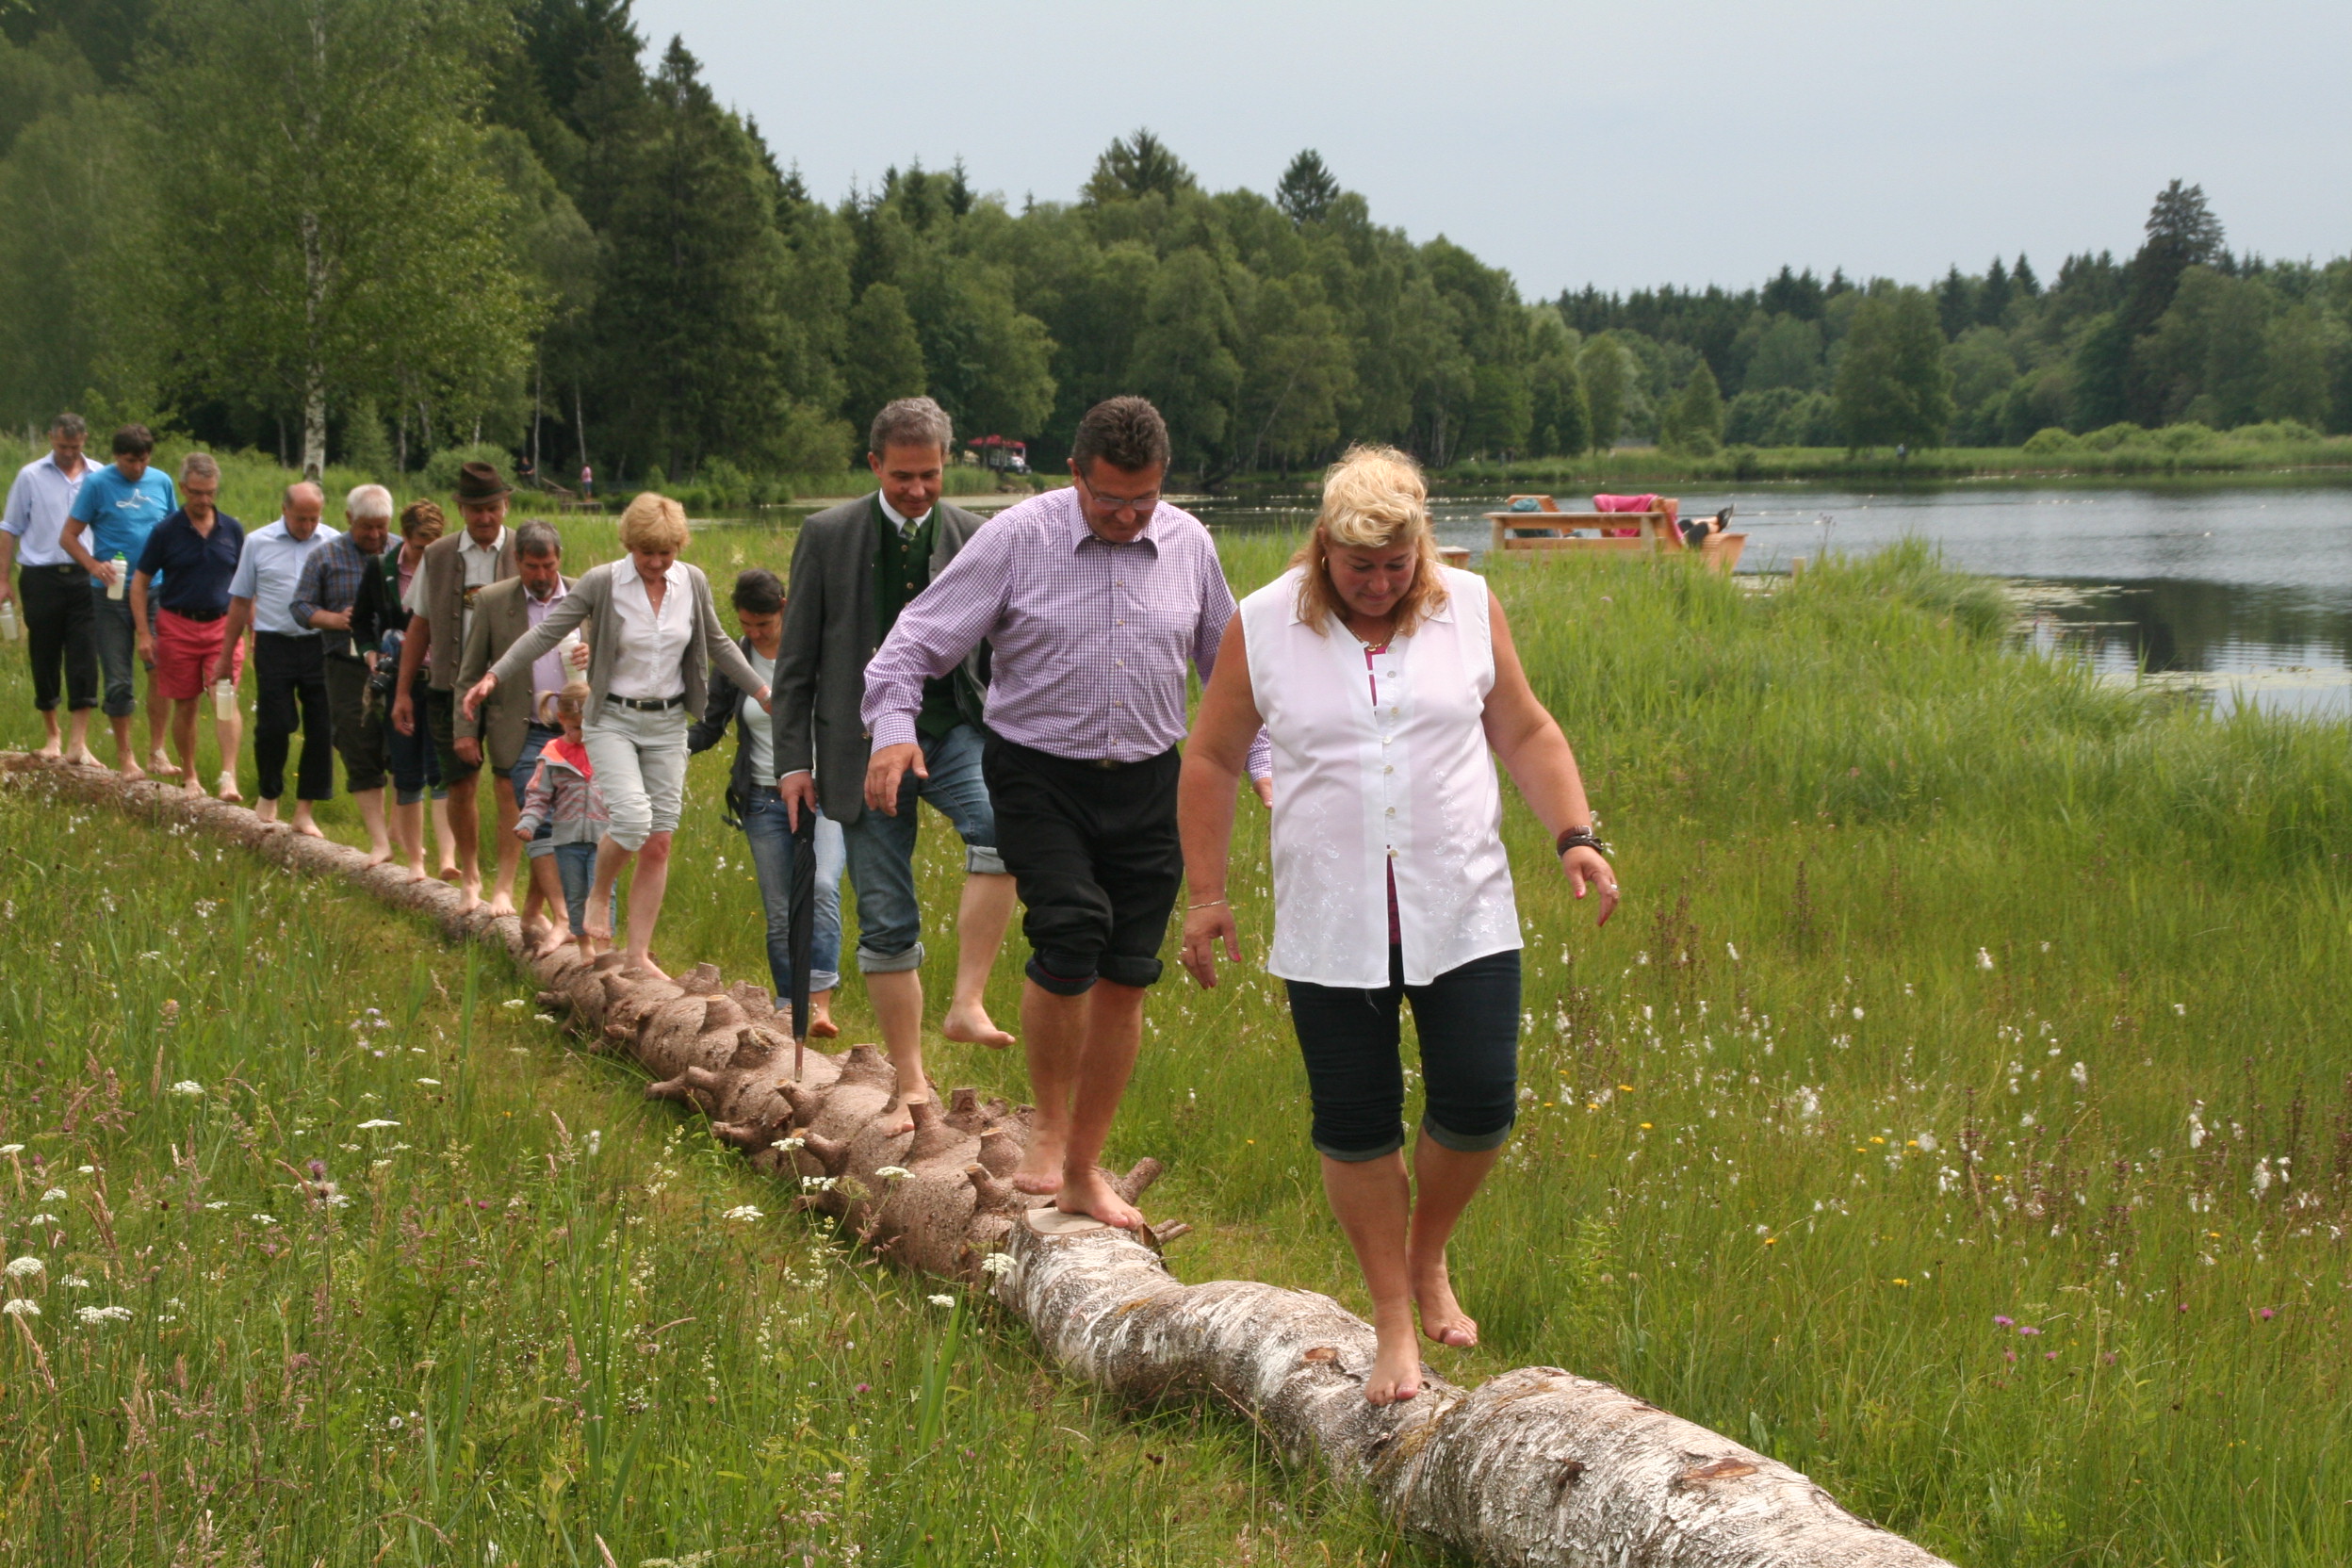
<point x="802" y="913"/>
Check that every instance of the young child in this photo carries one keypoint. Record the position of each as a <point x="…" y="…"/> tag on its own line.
<point x="563" y="793"/>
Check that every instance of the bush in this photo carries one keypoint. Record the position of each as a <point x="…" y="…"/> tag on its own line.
<point x="442" y="467"/>
<point x="2180" y="438"/>
<point x="2108" y="438"/>
<point x="2052" y="438"/>
<point x="2275" y="431"/>
<point x="724" y="486"/>
<point x="1753" y="418"/>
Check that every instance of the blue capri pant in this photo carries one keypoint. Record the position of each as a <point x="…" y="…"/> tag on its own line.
<point x="1469" y="1021"/>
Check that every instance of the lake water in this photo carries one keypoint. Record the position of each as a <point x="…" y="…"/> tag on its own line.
<point x="2228" y="594"/>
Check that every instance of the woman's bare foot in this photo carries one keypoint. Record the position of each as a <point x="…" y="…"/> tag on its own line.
<point x="266" y="810"/>
<point x="1091" y="1196"/>
<point x="644" y="963"/>
<point x="1395" y="1373"/>
<point x="1039" y="1172"/>
<point x="414" y="870"/>
<point x="1442" y="1317"/>
<point x="972" y="1025"/>
<point x="902" y="1113"/>
<point x="449" y="874"/>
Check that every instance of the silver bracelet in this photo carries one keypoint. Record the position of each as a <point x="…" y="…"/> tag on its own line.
<point x="1204" y="903"/>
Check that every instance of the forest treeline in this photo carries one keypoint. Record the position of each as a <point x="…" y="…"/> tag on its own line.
<point x="375" y="230"/>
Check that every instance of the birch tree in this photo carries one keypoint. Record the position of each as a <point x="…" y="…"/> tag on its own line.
<point x="330" y="227"/>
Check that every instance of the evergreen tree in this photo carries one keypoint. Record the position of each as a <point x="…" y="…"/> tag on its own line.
<point x="1796" y="294"/>
<point x="1136" y="166"/>
<point x="2021" y="277"/>
<point x="1892" y="383"/>
<point x="882" y="358"/>
<point x="1955" y="303"/>
<point x="1307" y="189"/>
<point x="2183" y="232"/>
<point x="1992" y="296"/>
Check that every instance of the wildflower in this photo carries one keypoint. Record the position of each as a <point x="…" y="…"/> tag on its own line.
<point x="997" y="1265"/>
<point x="1902" y="1281"/>
<point x="11" y="1149"/>
<point x="2028" y="1330"/>
<point x="596" y="1142"/>
<point x="863" y="1388"/>
<point x="1983" y="960"/>
<point x="816" y="1184"/>
<point x="2003" y="1321"/>
<point x="429" y="1083"/>
<point x="55" y="1195"/>
<point x="1733" y="951"/>
<point x="943" y="1300"/>
<point x="1857" y="1013"/>
<point x="893" y="1173"/>
<point x="2180" y="1009"/>
<point x="75" y="1281"/>
<point x="788" y="1145"/>
<point x="395" y="1423"/>
<point x="189" y="1088"/>
<point x="25" y="1267"/>
<point x="23" y="1307"/>
<point x="86" y="1170"/>
<point x="92" y="1316"/>
<point x="45" y="1219"/>
<point x="513" y="1002"/>
<point x="376" y="1123"/>
<point x="2268" y="1313"/>
<point x="1926" y="1142"/>
<point x="744" y="1212"/>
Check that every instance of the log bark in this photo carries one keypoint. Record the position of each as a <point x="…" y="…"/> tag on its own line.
<point x="1536" y="1467"/>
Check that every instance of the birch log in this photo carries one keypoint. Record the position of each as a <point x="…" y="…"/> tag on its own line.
<point x="1538" y="1466"/>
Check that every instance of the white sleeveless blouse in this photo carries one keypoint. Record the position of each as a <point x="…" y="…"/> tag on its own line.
<point x="1363" y="787"/>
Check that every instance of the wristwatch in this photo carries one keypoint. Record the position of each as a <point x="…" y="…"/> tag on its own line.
<point x="1570" y="838"/>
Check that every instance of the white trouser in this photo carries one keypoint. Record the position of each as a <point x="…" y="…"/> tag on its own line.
<point x="640" y="763"/>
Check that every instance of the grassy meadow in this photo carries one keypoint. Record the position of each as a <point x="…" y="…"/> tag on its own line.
<point x="1956" y="1109"/>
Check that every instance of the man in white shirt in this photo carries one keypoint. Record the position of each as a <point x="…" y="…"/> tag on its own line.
<point x="53" y="596"/>
<point x="289" y="656"/>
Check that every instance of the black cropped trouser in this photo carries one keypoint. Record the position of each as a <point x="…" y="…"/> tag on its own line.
<point x="1469" y="1021"/>
<point x="290" y="694"/>
<point x="60" y="629"/>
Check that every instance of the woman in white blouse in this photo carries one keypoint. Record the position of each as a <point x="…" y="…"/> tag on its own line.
<point x="1383" y="679"/>
<point x="653" y="635"/>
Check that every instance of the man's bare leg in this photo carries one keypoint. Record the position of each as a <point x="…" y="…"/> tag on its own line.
<point x="184" y="743"/>
<point x="408" y="831"/>
<point x="370" y="804"/>
<point x="77" y="739"/>
<point x="1114" y="1033"/>
<point x="510" y="847"/>
<point x="1054" y="1031"/>
<point x="897" y="999"/>
<point x="981" y="920"/>
<point x="229" y="736"/>
<point x="158" y="714"/>
<point x="53" y="746"/>
<point x="465" y="834"/>
<point x="444" y="841"/>
<point x="1444" y="1180"/>
<point x="125" y="761"/>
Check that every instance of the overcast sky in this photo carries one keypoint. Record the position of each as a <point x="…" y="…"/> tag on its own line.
<point x="1623" y="145"/>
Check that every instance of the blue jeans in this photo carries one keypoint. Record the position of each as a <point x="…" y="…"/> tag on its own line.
<point x="881" y="849"/>
<point x="414" y="768"/>
<point x="118" y="648"/>
<point x="535" y="740"/>
<point x="772" y="848"/>
<point x="576" y="865"/>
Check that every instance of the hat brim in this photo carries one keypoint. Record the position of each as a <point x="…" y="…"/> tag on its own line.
<point x="492" y="496"/>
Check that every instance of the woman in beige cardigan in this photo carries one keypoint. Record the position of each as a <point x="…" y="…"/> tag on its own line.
<point x="653" y="634"/>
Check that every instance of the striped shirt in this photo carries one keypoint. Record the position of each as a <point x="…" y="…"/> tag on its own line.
<point x="1091" y="641"/>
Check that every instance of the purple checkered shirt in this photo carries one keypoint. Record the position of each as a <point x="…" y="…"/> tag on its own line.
<point x="1089" y="639"/>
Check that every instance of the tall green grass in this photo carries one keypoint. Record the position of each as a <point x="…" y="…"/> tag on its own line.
<point x="1952" y="987"/>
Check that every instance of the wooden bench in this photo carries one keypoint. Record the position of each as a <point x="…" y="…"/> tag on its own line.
<point x="1547" y="531"/>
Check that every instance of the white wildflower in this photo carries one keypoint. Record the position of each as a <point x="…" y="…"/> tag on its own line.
<point x="92" y="1316"/>
<point x="513" y="1003"/>
<point x="75" y="1281"/>
<point x="25" y="1267"/>
<point x="11" y="1149"/>
<point x="1983" y="960"/>
<point x="221" y="1204"/>
<point x="893" y="1173"/>
<point x="744" y="1212"/>
<point x="943" y="1300"/>
<point x="188" y="1089"/>
<point x="790" y="1144"/>
<point x="1857" y="1013"/>
<point x="596" y="1142"/>
<point x="816" y="1184"/>
<point x="1926" y="1142"/>
<point x="338" y="1200"/>
<point x="997" y="1265"/>
<point x="429" y="1083"/>
<point x="2026" y="1121"/>
<point x="87" y="1169"/>
<point x="45" y="1219"/>
<point x="21" y="1307"/>
<point x="1733" y="951"/>
<point x="2262" y="1182"/>
<point x="2181" y="1009"/>
<point x="376" y="1123"/>
<point x="2081" y="1073"/>
<point x="265" y="1218"/>
<point x="55" y="1195"/>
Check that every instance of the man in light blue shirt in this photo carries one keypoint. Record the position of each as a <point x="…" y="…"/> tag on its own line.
<point x="290" y="659"/>
<point x="51" y="594"/>
<point x="106" y="533"/>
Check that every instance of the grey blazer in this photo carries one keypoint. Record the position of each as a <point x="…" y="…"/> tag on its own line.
<point x="590" y="600"/>
<point x="501" y="614"/>
<point x="829" y="636"/>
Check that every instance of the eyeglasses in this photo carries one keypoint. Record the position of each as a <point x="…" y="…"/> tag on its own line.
<point x="1141" y="505"/>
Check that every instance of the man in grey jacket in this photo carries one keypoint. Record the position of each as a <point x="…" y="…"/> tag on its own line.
<point x="853" y="569"/>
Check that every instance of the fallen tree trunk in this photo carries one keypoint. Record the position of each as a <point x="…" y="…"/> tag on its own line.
<point x="1538" y="1466"/>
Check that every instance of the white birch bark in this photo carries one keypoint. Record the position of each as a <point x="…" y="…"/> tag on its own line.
<point x="1538" y="1468"/>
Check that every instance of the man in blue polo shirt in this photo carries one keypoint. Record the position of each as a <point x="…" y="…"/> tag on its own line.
<point x="181" y="587"/>
<point x="119" y="506"/>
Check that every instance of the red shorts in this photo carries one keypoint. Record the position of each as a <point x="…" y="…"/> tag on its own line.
<point x="185" y="651"/>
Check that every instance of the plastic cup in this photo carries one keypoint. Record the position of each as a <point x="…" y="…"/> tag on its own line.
<point x="223" y="699"/>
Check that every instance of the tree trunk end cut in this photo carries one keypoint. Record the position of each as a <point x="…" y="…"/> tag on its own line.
<point x="1536" y="1467"/>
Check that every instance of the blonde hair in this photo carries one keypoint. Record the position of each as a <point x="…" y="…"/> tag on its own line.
<point x="653" y="522"/>
<point x="1374" y="498"/>
<point x="572" y="701"/>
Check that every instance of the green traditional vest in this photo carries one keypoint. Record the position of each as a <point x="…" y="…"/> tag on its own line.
<point x="901" y="569"/>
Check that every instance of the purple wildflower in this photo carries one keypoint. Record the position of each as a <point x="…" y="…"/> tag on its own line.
<point x="864" y="1387"/>
<point x="2003" y="1321"/>
<point x="2050" y="1355"/>
<point x="2028" y="1329"/>
<point x="2269" y="1313"/>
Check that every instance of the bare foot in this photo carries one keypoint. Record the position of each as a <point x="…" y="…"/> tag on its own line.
<point x="159" y="760"/>
<point x="190" y="782"/>
<point x="550" y="942"/>
<point x="1040" y="1168"/>
<point x="414" y="870"/>
<point x="130" y="771"/>
<point x="52" y="751"/>
<point x="266" y="810"/>
<point x="449" y="874"/>
<point x="1091" y="1196"/>
<point x="644" y="963"/>
<point x="228" y="790"/>
<point x="470" y="886"/>
<point x="972" y="1025"/>
<point x="82" y="757"/>
<point x="303" y="824"/>
<point x="501" y="904"/>
<point x="902" y="1114"/>
<point x="820" y="1024"/>
<point x="379" y="854"/>
<point x="1442" y="1317"/>
<point x="1395" y="1373"/>
<point x="534" y="928"/>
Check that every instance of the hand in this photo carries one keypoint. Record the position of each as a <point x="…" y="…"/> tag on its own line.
<point x="886" y="771"/>
<point x="331" y="620"/>
<point x="404" y="713"/>
<point x="468" y="750"/>
<point x="146" y="645"/>
<point x="765" y="705"/>
<point x="115" y="571"/>
<point x="799" y="792"/>
<point x="1586" y="865"/>
<point x="577" y="657"/>
<point x="372" y="657"/>
<point x="479" y="694"/>
<point x="1204" y="927"/>
<point x="1264" y="789"/>
<point x="7" y="593"/>
<point x="221" y="667"/>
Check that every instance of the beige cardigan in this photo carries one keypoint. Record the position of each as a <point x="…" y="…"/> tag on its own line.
<point x="590" y="600"/>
